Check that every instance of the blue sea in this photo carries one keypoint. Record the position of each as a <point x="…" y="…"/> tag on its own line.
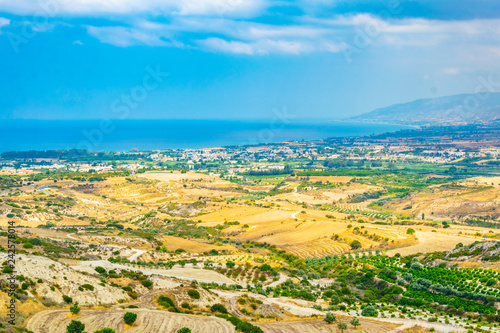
<point x="124" y="135"/>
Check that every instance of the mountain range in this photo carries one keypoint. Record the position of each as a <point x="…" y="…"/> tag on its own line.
<point x="480" y="108"/>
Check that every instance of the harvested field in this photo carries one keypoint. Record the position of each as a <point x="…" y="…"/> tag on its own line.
<point x="433" y="241"/>
<point x="317" y="325"/>
<point x="179" y="177"/>
<point x="147" y="321"/>
<point x="191" y="246"/>
<point x="331" y="179"/>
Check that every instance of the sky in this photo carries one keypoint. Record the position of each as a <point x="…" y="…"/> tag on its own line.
<point x="239" y="59"/>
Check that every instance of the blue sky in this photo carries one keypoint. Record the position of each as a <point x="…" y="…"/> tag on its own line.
<point x="77" y="59"/>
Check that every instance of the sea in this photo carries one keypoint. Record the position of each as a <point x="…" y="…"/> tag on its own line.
<point x="129" y="134"/>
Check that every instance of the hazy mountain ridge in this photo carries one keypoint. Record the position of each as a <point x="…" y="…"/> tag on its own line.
<point x="481" y="108"/>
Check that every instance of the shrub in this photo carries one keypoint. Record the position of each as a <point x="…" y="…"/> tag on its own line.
<point x="148" y="284"/>
<point x="67" y="299"/>
<point x="369" y="311"/>
<point x="218" y="308"/>
<point x="75" y="327"/>
<point x="28" y="245"/>
<point x="330" y="317"/>
<point x="184" y="330"/>
<point x="194" y="294"/>
<point x="410" y="231"/>
<point x="87" y="286"/>
<point x="7" y="270"/>
<point x="105" y="330"/>
<point x="356" y="244"/>
<point x="167" y="303"/>
<point x="185" y="305"/>
<point x="75" y="309"/>
<point x="129" y="318"/>
<point x="100" y="270"/>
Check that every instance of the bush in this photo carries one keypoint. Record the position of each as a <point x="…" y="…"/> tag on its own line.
<point x="75" y="309"/>
<point x="184" y="330"/>
<point x="218" y="308"/>
<point x="105" y="330"/>
<point x="129" y="318"/>
<point x="167" y="303"/>
<point x="67" y="299"/>
<point x="75" y="327"/>
<point x="28" y="245"/>
<point x="194" y="294"/>
<point x="330" y="318"/>
<point x="100" y="270"/>
<point x="148" y="284"/>
<point x="7" y="270"/>
<point x="87" y="286"/>
<point x="356" y="244"/>
<point x="410" y="231"/>
<point x="369" y="311"/>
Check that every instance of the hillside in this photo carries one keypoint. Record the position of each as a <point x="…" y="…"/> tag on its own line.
<point x="482" y="108"/>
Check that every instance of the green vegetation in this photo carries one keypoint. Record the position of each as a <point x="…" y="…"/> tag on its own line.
<point x="129" y="318"/>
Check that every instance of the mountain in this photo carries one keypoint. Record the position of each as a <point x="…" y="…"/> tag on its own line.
<point x="481" y="108"/>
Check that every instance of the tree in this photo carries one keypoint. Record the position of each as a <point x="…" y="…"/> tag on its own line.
<point x="330" y="318"/>
<point x="355" y="322"/>
<point x="356" y="244"/>
<point x="410" y="231"/>
<point x="369" y="311"/>
<point x="342" y="326"/>
<point x="184" y="330"/>
<point x="75" y="326"/>
<point x="129" y="318"/>
<point x="218" y="308"/>
<point x="105" y="330"/>
<point x="75" y="309"/>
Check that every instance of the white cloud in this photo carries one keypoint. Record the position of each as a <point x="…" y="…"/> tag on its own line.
<point x="102" y="7"/>
<point x="268" y="46"/>
<point x="125" y="36"/>
<point x="236" y="47"/>
<point x="4" y="22"/>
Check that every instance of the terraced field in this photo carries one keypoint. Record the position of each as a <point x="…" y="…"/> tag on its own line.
<point x="314" y="326"/>
<point x="55" y="321"/>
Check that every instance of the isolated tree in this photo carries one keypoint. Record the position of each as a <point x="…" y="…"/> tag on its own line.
<point x="75" y="309"/>
<point x="129" y="318"/>
<point x="75" y="326"/>
<point x="410" y="231"/>
<point x="356" y="244"/>
<point x="184" y="330"/>
<point x="369" y="311"/>
<point x="329" y="318"/>
<point x="355" y="322"/>
<point x="342" y="326"/>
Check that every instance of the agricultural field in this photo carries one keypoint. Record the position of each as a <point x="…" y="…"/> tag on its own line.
<point x="297" y="244"/>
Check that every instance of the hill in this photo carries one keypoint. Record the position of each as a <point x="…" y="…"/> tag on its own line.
<point x="481" y="108"/>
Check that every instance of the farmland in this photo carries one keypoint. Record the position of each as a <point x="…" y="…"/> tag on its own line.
<point x="259" y="239"/>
